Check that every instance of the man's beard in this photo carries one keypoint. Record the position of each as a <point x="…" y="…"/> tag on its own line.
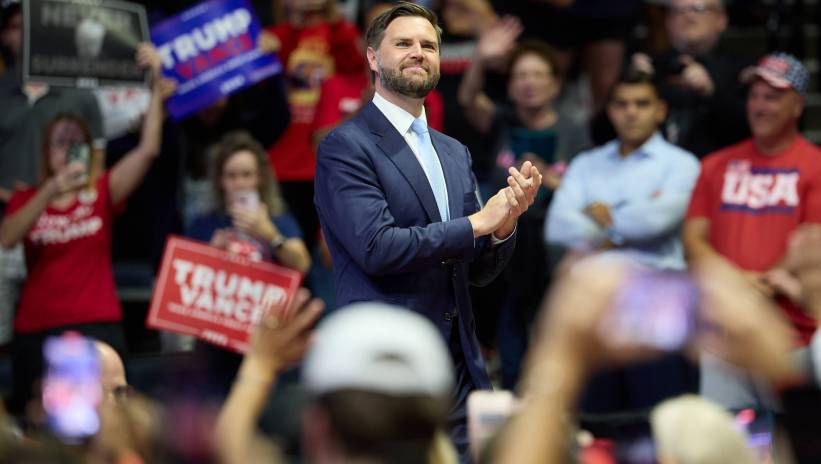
<point x="392" y="79"/>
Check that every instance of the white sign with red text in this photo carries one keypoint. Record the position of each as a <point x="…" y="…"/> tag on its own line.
<point x="215" y="295"/>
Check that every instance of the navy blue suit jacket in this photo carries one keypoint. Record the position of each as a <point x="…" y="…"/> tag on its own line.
<point x="388" y="243"/>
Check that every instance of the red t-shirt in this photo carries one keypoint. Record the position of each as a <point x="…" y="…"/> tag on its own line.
<point x="341" y="97"/>
<point x="310" y="55"/>
<point x="755" y="201"/>
<point x="68" y="255"/>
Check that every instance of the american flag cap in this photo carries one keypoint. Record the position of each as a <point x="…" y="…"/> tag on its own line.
<point x="781" y="70"/>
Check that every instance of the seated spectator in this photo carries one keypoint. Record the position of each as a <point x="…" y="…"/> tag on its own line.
<point x="628" y="198"/>
<point x="748" y="199"/>
<point x="249" y="206"/>
<point x="630" y="195"/>
<point x="531" y="129"/>
<point x="65" y="226"/>
<point x="699" y="79"/>
<point x="249" y="218"/>
<point x="261" y="110"/>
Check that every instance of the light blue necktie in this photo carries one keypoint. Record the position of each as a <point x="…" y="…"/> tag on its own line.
<point x="430" y="162"/>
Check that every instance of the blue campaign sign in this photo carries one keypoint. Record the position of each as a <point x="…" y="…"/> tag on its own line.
<point x="211" y="51"/>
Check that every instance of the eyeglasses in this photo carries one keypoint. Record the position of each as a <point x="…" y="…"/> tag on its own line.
<point x="698" y="8"/>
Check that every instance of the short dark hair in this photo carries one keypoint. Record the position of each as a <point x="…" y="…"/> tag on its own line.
<point x="386" y="428"/>
<point x="536" y="47"/>
<point x="632" y="76"/>
<point x="376" y="30"/>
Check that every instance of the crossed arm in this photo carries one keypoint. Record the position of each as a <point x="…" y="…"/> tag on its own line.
<point x="577" y="222"/>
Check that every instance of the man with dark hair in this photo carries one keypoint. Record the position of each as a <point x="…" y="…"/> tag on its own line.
<point x="630" y="195"/>
<point x="398" y="205"/>
<point x="749" y="198"/>
<point x="627" y="198"/>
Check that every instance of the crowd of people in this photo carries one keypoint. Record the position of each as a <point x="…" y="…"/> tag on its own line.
<point x="479" y="194"/>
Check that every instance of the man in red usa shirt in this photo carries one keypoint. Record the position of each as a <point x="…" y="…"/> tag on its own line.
<point x="748" y="199"/>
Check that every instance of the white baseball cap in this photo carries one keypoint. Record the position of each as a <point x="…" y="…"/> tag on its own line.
<point x="380" y="348"/>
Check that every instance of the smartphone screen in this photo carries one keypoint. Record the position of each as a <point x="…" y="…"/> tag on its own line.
<point x="71" y="387"/>
<point x="80" y="152"/>
<point x="656" y="309"/>
<point x="246" y="198"/>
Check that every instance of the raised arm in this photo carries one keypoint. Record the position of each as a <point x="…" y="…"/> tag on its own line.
<point x="129" y="172"/>
<point x="275" y="344"/>
<point x="494" y="44"/>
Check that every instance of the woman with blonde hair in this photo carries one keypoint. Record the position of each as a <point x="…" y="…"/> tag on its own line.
<point x="249" y="214"/>
<point x="249" y="218"/>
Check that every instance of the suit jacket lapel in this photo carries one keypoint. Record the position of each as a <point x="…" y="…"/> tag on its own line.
<point x="397" y="150"/>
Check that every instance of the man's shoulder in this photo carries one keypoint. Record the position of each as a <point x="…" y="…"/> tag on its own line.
<point x="354" y="128"/>
<point x="805" y="146"/>
<point x="676" y="153"/>
<point x="595" y="154"/>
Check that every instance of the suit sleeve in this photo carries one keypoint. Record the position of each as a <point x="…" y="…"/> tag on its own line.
<point x="491" y="258"/>
<point x="352" y="204"/>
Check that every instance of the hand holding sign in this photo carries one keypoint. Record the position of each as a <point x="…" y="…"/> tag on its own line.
<point x="210" y="294"/>
<point x="212" y="51"/>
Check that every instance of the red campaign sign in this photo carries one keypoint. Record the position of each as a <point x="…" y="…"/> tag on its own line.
<point x="215" y="295"/>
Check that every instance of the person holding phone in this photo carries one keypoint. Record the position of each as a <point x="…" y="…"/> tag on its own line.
<point x="249" y="219"/>
<point x="65" y="224"/>
<point x="250" y="215"/>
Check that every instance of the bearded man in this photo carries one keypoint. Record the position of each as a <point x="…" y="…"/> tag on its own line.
<point x="398" y="204"/>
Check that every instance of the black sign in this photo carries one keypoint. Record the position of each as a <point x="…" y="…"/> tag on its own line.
<point x="83" y="43"/>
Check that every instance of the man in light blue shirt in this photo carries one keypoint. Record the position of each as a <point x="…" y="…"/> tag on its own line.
<point x="628" y="196"/>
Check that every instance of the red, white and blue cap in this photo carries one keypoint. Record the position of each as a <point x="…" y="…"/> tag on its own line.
<point x="781" y="70"/>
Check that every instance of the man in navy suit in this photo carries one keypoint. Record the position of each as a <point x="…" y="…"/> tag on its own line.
<point x="398" y="203"/>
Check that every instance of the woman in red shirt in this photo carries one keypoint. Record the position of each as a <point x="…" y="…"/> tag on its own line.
<point x="65" y="224"/>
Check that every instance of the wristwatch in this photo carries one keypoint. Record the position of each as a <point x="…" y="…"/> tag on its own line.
<point x="277" y="242"/>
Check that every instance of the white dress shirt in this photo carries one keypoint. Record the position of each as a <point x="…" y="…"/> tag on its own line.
<point x="402" y="120"/>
